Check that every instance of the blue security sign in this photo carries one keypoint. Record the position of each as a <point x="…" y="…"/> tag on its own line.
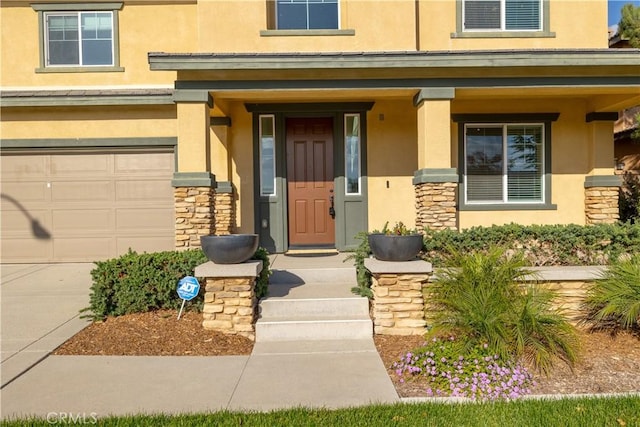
<point x="188" y="288"/>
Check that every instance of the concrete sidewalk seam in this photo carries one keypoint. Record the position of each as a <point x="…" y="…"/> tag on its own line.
<point x="235" y="387"/>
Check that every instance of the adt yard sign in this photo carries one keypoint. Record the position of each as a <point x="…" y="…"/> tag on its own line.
<point x="188" y="288"/>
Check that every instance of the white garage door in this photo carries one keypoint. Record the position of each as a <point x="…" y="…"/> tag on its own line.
<point x="85" y="206"/>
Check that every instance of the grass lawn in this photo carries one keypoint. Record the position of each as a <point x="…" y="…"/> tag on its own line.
<point x="579" y="412"/>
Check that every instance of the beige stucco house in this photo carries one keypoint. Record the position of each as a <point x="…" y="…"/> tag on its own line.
<point x="145" y="124"/>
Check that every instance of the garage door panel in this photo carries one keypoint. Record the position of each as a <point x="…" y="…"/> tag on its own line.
<point x="144" y="219"/>
<point x="81" y="165"/>
<point x="88" y="206"/>
<point x="151" y="163"/>
<point x="85" y="191"/>
<point x="23" y="166"/>
<point x="83" y="248"/>
<point x="23" y="195"/>
<point x="35" y="224"/>
<point x="143" y="244"/>
<point x="25" y="250"/>
<point x="145" y="190"/>
<point x="82" y="220"/>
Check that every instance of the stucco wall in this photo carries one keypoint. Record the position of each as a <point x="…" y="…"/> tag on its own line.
<point x="143" y="29"/>
<point x="392" y="151"/>
<point x="89" y="122"/>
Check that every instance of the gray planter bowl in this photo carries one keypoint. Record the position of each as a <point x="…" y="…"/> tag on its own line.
<point x="395" y="248"/>
<point x="229" y="249"/>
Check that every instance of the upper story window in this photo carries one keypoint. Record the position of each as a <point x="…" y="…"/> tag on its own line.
<point x="502" y="15"/>
<point x="78" y="36"/>
<point x="307" y="14"/>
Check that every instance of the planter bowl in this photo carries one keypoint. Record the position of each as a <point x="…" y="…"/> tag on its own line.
<point x="229" y="249"/>
<point x="395" y="248"/>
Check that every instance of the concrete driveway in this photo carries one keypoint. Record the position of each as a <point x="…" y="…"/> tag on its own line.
<point x="40" y="310"/>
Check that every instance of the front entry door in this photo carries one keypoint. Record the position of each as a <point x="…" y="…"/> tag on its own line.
<point x="310" y="182"/>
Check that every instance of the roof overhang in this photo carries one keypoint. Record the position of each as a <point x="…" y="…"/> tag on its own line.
<point x="582" y="61"/>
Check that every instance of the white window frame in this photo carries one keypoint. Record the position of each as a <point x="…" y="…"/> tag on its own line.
<point x="359" y="153"/>
<point x="260" y="134"/>
<point x="78" y="15"/>
<point x="503" y="20"/>
<point x="505" y="159"/>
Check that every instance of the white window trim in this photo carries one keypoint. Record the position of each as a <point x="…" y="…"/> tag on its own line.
<point x="505" y="183"/>
<point x="346" y="179"/>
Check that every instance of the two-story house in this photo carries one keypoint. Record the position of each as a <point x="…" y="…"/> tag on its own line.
<point x="146" y="124"/>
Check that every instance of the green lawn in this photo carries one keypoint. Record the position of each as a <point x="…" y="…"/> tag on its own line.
<point x="582" y="412"/>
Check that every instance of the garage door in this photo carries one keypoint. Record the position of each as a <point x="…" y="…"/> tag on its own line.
<point x="85" y="206"/>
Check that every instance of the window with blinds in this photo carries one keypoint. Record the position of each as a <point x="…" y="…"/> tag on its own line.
<point x="504" y="163"/>
<point x="502" y="15"/>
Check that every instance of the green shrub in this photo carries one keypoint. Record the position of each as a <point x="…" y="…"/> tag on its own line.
<point x="629" y="202"/>
<point x="262" y="281"/>
<point x="542" y="245"/>
<point x="613" y="302"/>
<point x="134" y="283"/>
<point x="480" y="297"/>
<point x="363" y="277"/>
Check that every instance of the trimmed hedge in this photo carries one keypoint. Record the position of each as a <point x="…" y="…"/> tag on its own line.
<point x="542" y="245"/>
<point x="136" y="283"/>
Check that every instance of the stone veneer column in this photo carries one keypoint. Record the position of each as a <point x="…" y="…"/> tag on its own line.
<point x="398" y="302"/>
<point x="601" y="195"/>
<point x="230" y="303"/>
<point x="194" y="215"/>
<point x="436" y="199"/>
<point x="224" y="208"/>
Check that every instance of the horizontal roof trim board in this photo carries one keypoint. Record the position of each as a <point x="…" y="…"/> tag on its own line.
<point x="404" y="83"/>
<point x="309" y="107"/>
<point x="409" y="59"/>
<point x="93" y="97"/>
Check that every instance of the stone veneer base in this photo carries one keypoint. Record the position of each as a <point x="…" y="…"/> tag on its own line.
<point x="398" y="302"/>
<point x="230" y="303"/>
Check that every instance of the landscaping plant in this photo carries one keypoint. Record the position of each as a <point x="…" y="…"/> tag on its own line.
<point x="483" y="298"/>
<point x="135" y="283"/>
<point x="613" y="302"/>
<point x="476" y="373"/>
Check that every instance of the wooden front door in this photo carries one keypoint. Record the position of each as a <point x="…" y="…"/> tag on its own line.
<point x="310" y="182"/>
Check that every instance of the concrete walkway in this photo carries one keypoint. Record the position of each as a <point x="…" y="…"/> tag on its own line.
<point x="40" y="306"/>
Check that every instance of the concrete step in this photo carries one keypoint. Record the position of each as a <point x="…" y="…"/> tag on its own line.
<point x="294" y="308"/>
<point x="315" y="346"/>
<point x="299" y="276"/>
<point x="313" y="328"/>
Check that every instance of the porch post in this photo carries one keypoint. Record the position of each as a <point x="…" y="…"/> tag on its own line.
<point x="435" y="181"/>
<point x="602" y="186"/>
<point x="221" y="163"/>
<point x="194" y="185"/>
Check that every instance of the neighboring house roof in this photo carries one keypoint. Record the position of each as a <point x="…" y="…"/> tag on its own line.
<point x="626" y="122"/>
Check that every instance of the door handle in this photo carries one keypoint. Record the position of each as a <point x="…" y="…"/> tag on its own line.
<point x="332" y="210"/>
